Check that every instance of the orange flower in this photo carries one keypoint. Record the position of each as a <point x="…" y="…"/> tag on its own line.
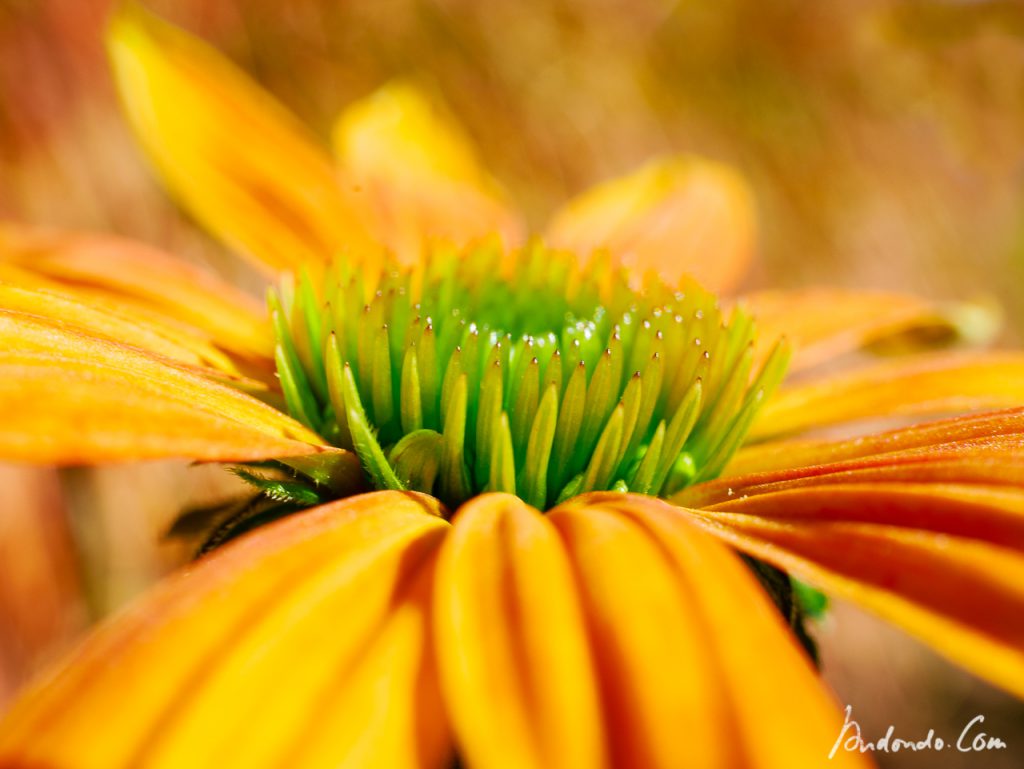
<point x="385" y="629"/>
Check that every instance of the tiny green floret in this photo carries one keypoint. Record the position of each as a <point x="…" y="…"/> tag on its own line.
<point x="520" y="371"/>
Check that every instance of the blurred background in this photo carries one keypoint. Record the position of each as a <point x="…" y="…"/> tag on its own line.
<point x="882" y="139"/>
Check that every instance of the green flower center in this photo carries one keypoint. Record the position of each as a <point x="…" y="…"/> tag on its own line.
<point x="520" y="372"/>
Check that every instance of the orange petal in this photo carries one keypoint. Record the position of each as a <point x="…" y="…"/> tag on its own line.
<point x="664" y="704"/>
<point x="112" y="268"/>
<point x="824" y="323"/>
<point x="678" y="216"/>
<point x="108" y="325"/>
<point x="990" y="513"/>
<point x="63" y="411"/>
<point x="21" y="333"/>
<point x="999" y="432"/>
<point x="419" y="167"/>
<point x="963" y="597"/>
<point x="927" y="384"/>
<point x="735" y="610"/>
<point x="516" y="670"/>
<point x="227" y="151"/>
<point x="72" y="398"/>
<point x="390" y="708"/>
<point x="192" y="674"/>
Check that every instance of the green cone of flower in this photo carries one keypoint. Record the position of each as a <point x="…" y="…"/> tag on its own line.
<point x="522" y="372"/>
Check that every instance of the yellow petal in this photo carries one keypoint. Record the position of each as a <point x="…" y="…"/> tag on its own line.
<point x="515" y="667"/>
<point x="73" y="398"/>
<point x="227" y="151"/>
<point x="664" y="704"/>
<point x="963" y="597"/>
<point x="125" y="274"/>
<point x="824" y="323"/>
<point x="678" y="216"/>
<point x="976" y="434"/>
<point x="935" y="384"/>
<point x="419" y="169"/>
<point x="232" y="662"/>
<point x="736" y="610"/>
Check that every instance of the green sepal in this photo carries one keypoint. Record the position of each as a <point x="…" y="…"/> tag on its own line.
<point x="338" y="471"/>
<point x="364" y="441"/>
<point x="297" y="395"/>
<point x="335" y="367"/>
<point x="430" y="377"/>
<point x="416" y="459"/>
<point x="651" y="381"/>
<point x="812" y="601"/>
<point x="643" y="478"/>
<point x="411" y="403"/>
<point x="503" y="462"/>
<point x="764" y="385"/>
<point x="602" y="395"/>
<point x="632" y="400"/>
<point x="296" y="493"/>
<point x="524" y="406"/>
<point x="570" y="419"/>
<point x="683" y="471"/>
<point x="454" y="484"/>
<point x="488" y="419"/>
<point x="570" y="490"/>
<point x="308" y="324"/>
<point x="533" y="475"/>
<point x="604" y="459"/>
<point x="382" y="395"/>
<point x="676" y="433"/>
